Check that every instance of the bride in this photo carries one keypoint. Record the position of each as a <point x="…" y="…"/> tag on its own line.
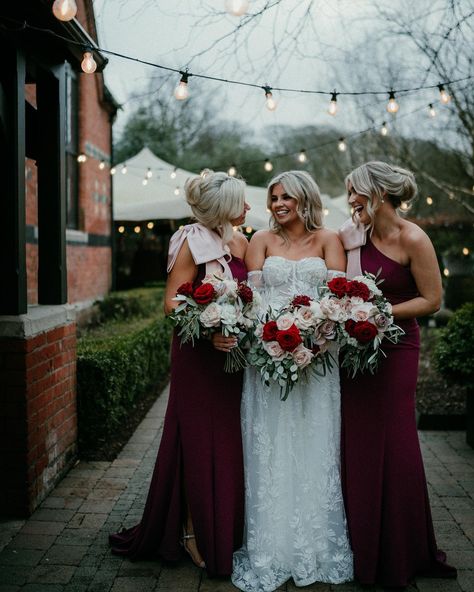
<point x="295" y="524"/>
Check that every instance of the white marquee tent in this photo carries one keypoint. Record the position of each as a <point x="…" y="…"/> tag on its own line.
<point x="162" y="197"/>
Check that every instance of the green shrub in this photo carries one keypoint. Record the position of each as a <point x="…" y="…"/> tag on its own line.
<point x="454" y="349"/>
<point x="141" y="302"/>
<point x="117" y="365"/>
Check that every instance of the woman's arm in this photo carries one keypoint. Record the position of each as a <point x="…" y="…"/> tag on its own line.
<point x="184" y="270"/>
<point x="425" y="270"/>
<point x="256" y="252"/>
<point x="334" y="254"/>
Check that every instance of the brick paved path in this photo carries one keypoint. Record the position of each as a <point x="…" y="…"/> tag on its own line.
<point x="63" y="546"/>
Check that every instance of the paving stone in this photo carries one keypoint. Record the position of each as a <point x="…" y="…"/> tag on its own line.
<point x="13" y="574"/>
<point x="65" y="555"/>
<point x="51" y="574"/>
<point x="183" y="575"/>
<point x="32" y="541"/>
<point x="77" y="536"/>
<point x="26" y="557"/>
<point x="114" y="484"/>
<point x="49" y="515"/>
<point x="42" y="588"/>
<point x="466" y="579"/>
<point x="43" y="527"/>
<point x="97" y="506"/>
<point x="225" y="585"/>
<point x="103" y="494"/>
<point x="82" y="520"/>
<point x="441" y="514"/>
<point x="134" y="584"/>
<point x="437" y="585"/>
<point x="9" y="588"/>
<point x="69" y="502"/>
<point x="120" y="472"/>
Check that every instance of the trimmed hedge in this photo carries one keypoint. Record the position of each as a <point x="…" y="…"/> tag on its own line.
<point x="141" y="302"/>
<point x="454" y="349"/>
<point x="117" y="366"/>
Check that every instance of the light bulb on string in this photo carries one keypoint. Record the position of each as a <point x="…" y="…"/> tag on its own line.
<point x="341" y="145"/>
<point x="444" y="96"/>
<point x="181" y="92"/>
<point x="232" y="171"/>
<point x="269" y="100"/>
<point x="113" y="170"/>
<point x="150" y="225"/>
<point x="121" y="229"/>
<point x="237" y="7"/>
<point x="404" y="206"/>
<point x="429" y="200"/>
<point x="465" y="251"/>
<point x="268" y="165"/>
<point x="326" y="212"/>
<point x="392" y="105"/>
<point x="176" y="191"/>
<point x="332" y="109"/>
<point x="149" y="173"/>
<point x="173" y="173"/>
<point x="64" y="10"/>
<point x="446" y="272"/>
<point x="249" y="229"/>
<point x="431" y="110"/>
<point x="102" y="165"/>
<point x="88" y="64"/>
<point x="302" y="155"/>
<point x="82" y="157"/>
<point x="145" y="182"/>
<point x="384" y="129"/>
<point x="124" y="169"/>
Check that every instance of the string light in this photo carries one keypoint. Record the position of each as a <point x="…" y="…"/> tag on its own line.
<point x="173" y="173"/>
<point x="342" y="146"/>
<point x="181" y="92"/>
<point x="429" y="200"/>
<point x="145" y="182"/>
<point x="404" y="206"/>
<point x="237" y="7"/>
<point x="326" y="212"/>
<point x="431" y="110"/>
<point x="249" y="229"/>
<point x="176" y="191"/>
<point x="150" y="225"/>
<point x="232" y="171"/>
<point x="88" y="64"/>
<point x="332" y="110"/>
<point x="121" y="229"/>
<point x="268" y="166"/>
<point x="392" y="105"/>
<point x="465" y="251"/>
<point x="137" y="229"/>
<point x="102" y="165"/>
<point x="384" y="129"/>
<point x="149" y="173"/>
<point x="302" y="155"/>
<point x="269" y="100"/>
<point x="444" y="97"/>
<point x="82" y="157"/>
<point x="64" y="10"/>
<point x="113" y="170"/>
<point x="446" y="272"/>
<point x="124" y="169"/>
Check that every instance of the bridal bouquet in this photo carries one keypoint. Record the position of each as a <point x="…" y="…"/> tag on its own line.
<point x="217" y="304"/>
<point x="286" y="345"/>
<point x="363" y="319"/>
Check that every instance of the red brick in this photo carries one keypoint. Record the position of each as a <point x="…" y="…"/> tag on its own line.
<point x="56" y="334"/>
<point x="35" y="342"/>
<point x="39" y="371"/>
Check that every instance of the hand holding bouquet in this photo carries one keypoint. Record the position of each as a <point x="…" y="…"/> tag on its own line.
<point x="218" y="304"/>
<point x="363" y="318"/>
<point x="286" y="345"/>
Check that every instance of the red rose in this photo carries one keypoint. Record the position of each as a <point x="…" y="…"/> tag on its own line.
<point x="245" y="293"/>
<point x="301" y="301"/>
<point x="349" y="327"/>
<point x="364" y="331"/>
<point x="358" y="289"/>
<point x="338" y="286"/>
<point x="289" y="339"/>
<point x="204" y="293"/>
<point x="270" y="330"/>
<point x="185" y="289"/>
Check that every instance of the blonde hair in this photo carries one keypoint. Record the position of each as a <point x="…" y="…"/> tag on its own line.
<point x="378" y="180"/>
<point x="215" y="200"/>
<point x="303" y="188"/>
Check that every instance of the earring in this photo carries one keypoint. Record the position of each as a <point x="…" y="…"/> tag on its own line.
<point x="305" y="213"/>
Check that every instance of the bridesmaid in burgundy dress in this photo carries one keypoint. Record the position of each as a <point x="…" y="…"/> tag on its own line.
<point x="196" y="495"/>
<point x="384" y="483"/>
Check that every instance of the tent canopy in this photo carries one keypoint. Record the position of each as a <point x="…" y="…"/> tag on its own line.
<point x="162" y="197"/>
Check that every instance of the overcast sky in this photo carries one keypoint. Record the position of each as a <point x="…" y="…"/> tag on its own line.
<point x="174" y="32"/>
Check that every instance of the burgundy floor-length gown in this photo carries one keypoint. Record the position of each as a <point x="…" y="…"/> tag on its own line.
<point x="201" y="454"/>
<point x="384" y="485"/>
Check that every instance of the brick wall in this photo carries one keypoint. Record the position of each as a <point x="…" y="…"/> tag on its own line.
<point x="38" y="420"/>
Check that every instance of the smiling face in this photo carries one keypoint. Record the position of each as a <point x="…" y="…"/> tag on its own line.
<point x="283" y="207"/>
<point x="241" y="219"/>
<point x="359" y="204"/>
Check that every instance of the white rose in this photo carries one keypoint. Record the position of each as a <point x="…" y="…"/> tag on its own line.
<point x="274" y="349"/>
<point x="362" y="312"/>
<point x="304" y="318"/>
<point x="228" y="314"/>
<point x="230" y="287"/>
<point x="258" y="331"/>
<point x="211" y="315"/>
<point x="333" y="310"/>
<point x="316" y="310"/>
<point x="285" y="321"/>
<point x="327" y="329"/>
<point x="302" y="356"/>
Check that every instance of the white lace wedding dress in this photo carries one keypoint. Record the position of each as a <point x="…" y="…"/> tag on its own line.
<point x="295" y="523"/>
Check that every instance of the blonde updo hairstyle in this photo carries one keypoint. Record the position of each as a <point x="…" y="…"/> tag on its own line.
<point x="303" y="188"/>
<point x="379" y="181"/>
<point x="215" y="200"/>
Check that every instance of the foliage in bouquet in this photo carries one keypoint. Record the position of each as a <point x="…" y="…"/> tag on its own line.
<point x="286" y="347"/>
<point x="218" y="304"/>
<point x="363" y="318"/>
